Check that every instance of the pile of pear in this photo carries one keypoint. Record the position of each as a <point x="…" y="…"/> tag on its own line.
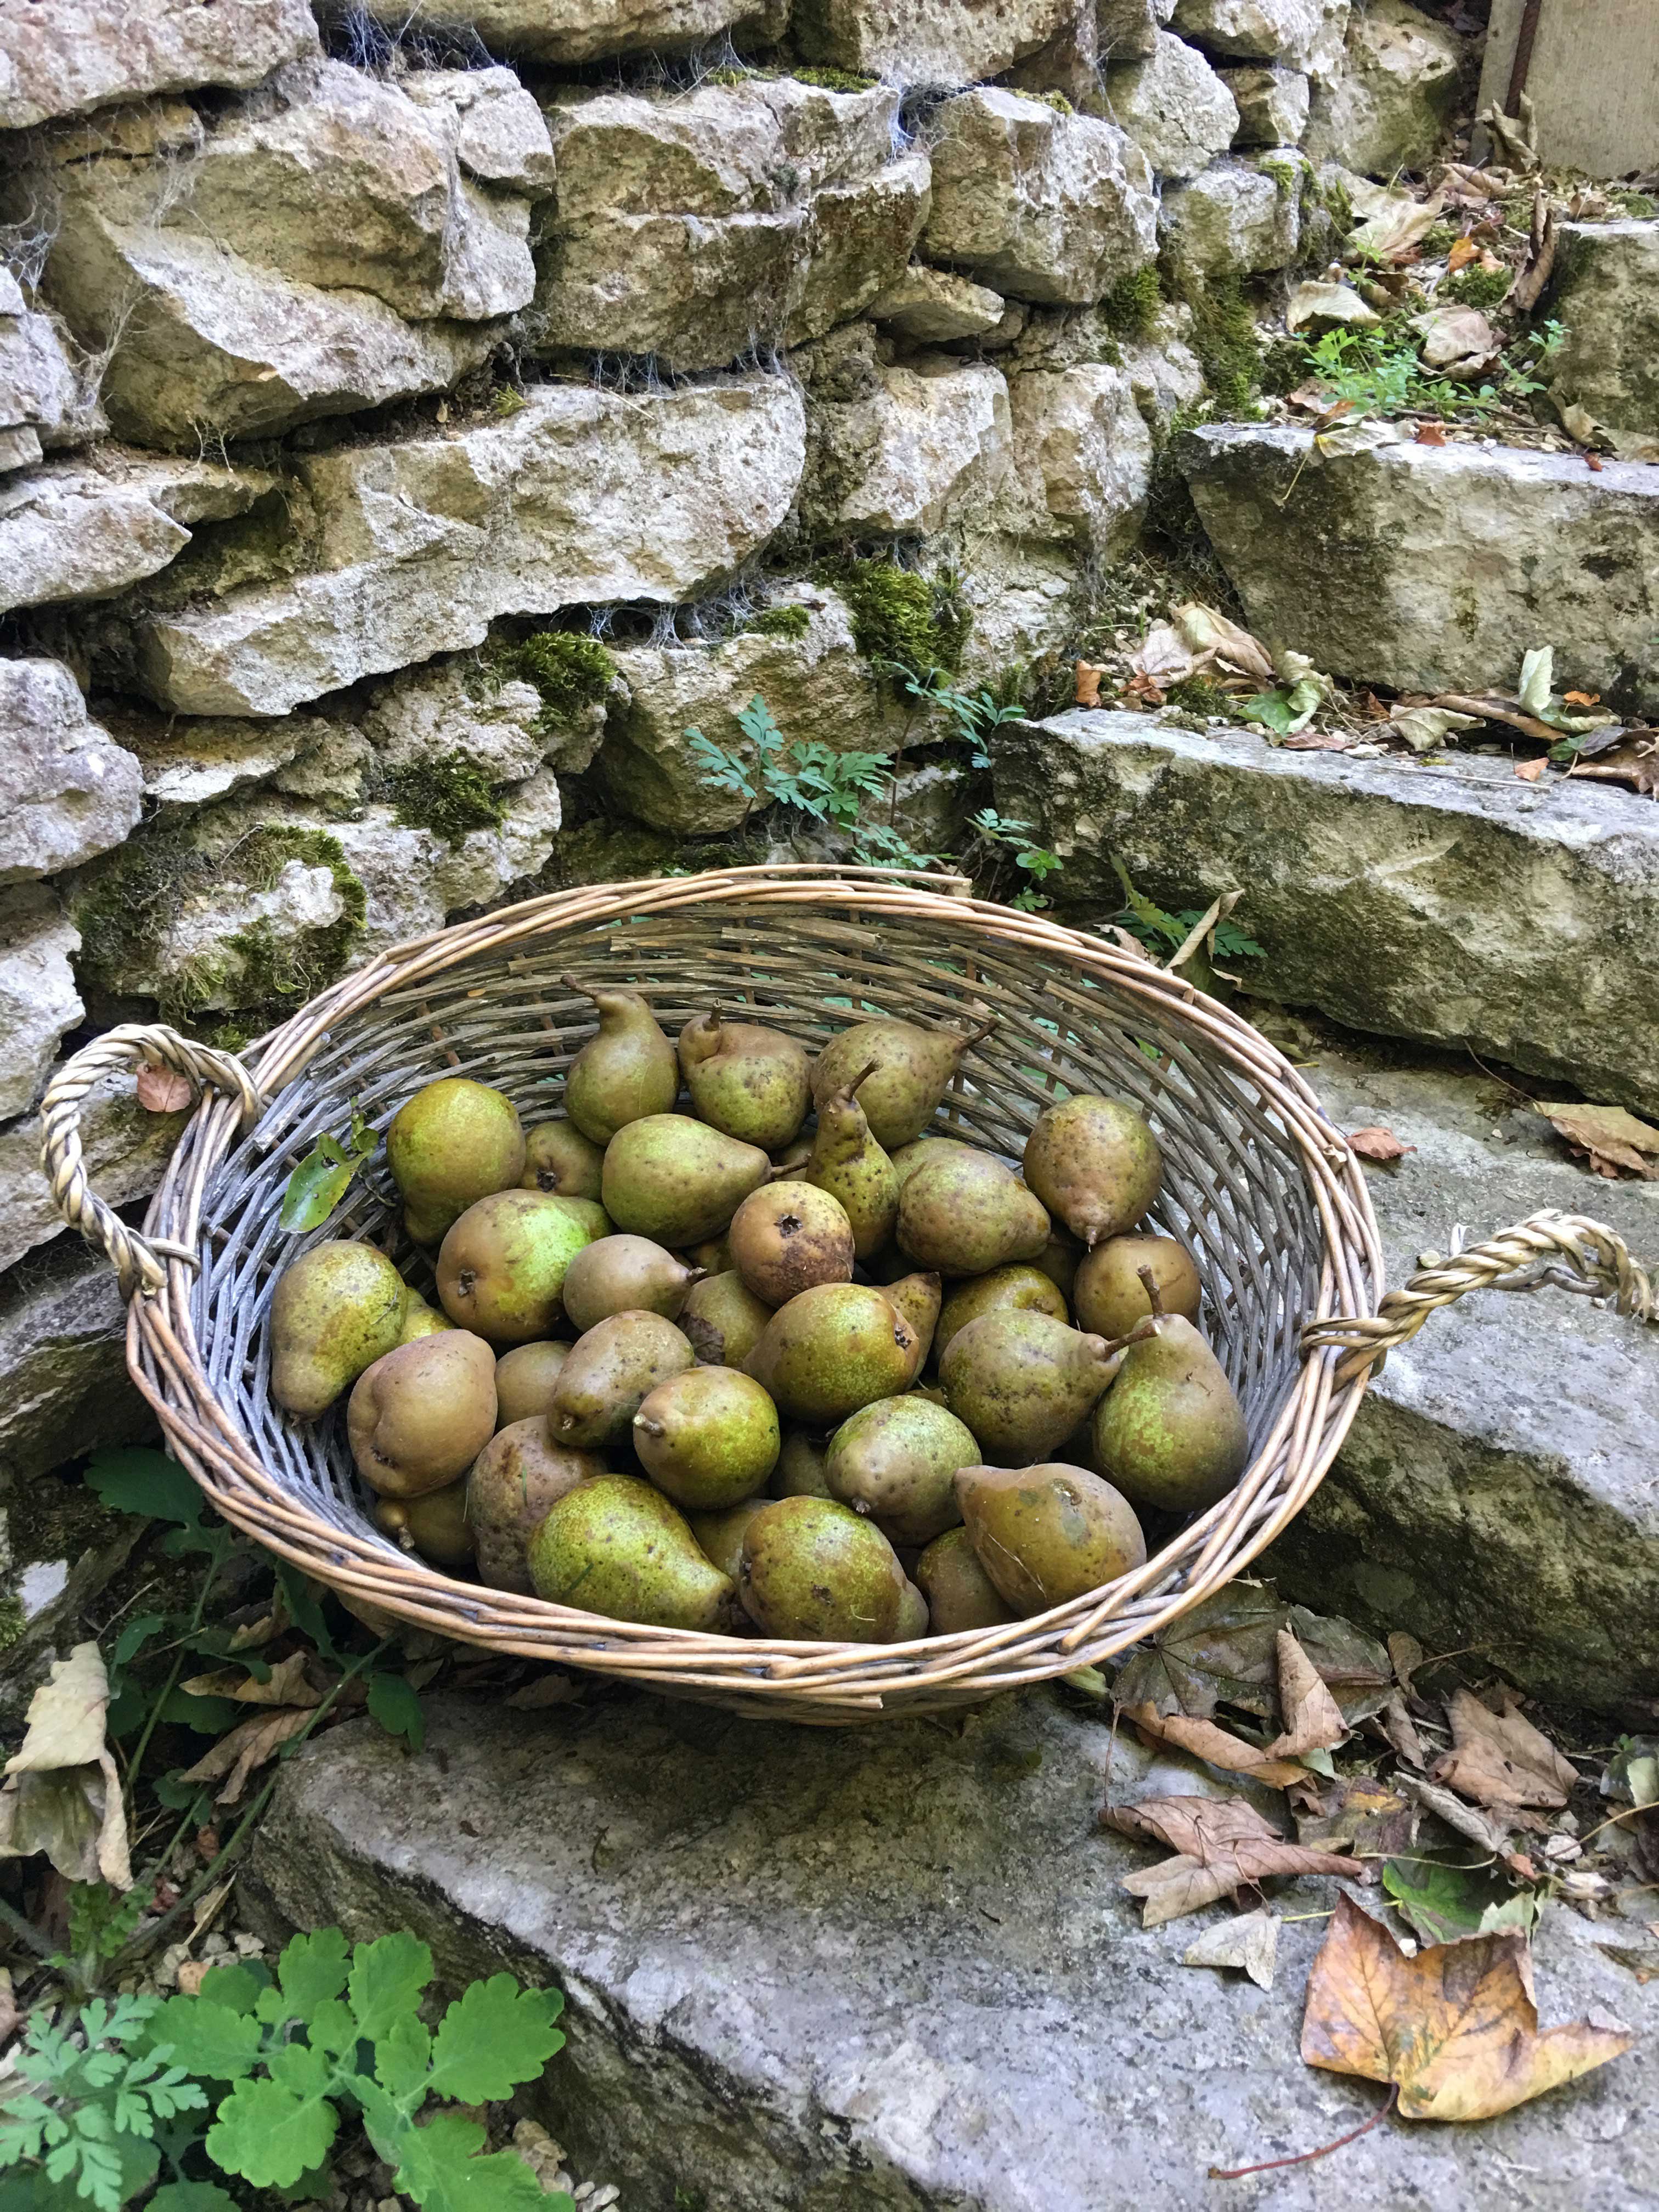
<point x="732" y="1344"/>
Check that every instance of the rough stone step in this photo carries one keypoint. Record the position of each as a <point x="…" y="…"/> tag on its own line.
<point x="64" y="1383"/>
<point x="1455" y="904"/>
<point x="893" y="1969"/>
<point x="1498" y="1490"/>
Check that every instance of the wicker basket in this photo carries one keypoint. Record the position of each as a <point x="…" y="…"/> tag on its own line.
<point x="1258" y="1184"/>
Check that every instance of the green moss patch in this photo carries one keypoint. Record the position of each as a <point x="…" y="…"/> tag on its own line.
<point x="570" y="672"/>
<point x="1131" y="306"/>
<point x="900" y="619"/>
<point x="836" y="79"/>
<point x="1224" y="337"/>
<point x="1477" y="288"/>
<point x="450" y="796"/>
<point x="790" y="620"/>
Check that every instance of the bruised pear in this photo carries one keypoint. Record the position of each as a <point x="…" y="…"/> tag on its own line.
<point x="723" y="1319"/>
<point x="1047" y="1534"/>
<point x="335" y="1311"/>
<point x="813" y="1571"/>
<point x="559" y="1159"/>
<point x="1094" y="1165"/>
<point x="964" y="1213"/>
<point x="787" y="1236"/>
<point x="800" y="1472"/>
<point x="960" y="1594"/>
<point x="502" y="1267"/>
<point x="627" y="1070"/>
<point x="610" y="1372"/>
<point x="615" y="1546"/>
<point x="435" y="1525"/>
<point x="708" y="1437"/>
<point x="523" y="1380"/>
<point x="896" y="1461"/>
<point x="676" y="1180"/>
<point x="847" y="1162"/>
<point x="515" y="1479"/>
<point x="453" y="1143"/>
<point x="911" y="1070"/>
<point x="420" y="1416"/>
<point x="620" y="1274"/>
<point x="1025" y="1289"/>
<point x="1171" y="1432"/>
<point x="1023" y="1381"/>
<point x="831" y="1350"/>
<point x="751" y="1083"/>
<point x="1111" y="1292"/>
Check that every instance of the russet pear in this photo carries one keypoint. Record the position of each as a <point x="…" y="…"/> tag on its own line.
<point x="501" y="1266"/>
<point x="1094" y="1165"/>
<point x="1047" y="1533"/>
<point x="814" y="1570"/>
<point x="1024" y="1287"/>
<point x="723" y="1319"/>
<point x="964" y="1213"/>
<point x="896" y="1460"/>
<point x="1111" y="1294"/>
<point x="420" y="1416"/>
<point x="831" y="1350"/>
<point x="708" y="1437"/>
<point x="1170" y="1431"/>
<point x="751" y="1083"/>
<point x="610" y="1370"/>
<point x="623" y="1273"/>
<point x="847" y="1162"/>
<point x="518" y="1476"/>
<point x="627" y="1070"/>
<point x="559" y="1159"/>
<point x="678" y="1181"/>
<point x="787" y="1236"/>
<point x="912" y="1071"/>
<point x="1023" y="1381"/>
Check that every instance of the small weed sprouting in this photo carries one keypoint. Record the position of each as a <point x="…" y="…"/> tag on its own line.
<point x="999" y="833"/>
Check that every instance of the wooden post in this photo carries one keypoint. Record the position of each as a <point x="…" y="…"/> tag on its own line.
<point x="1592" y="79"/>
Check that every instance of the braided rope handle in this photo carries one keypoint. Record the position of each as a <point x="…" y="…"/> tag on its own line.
<point x="138" y="1260"/>
<point x="1597" y="1264"/>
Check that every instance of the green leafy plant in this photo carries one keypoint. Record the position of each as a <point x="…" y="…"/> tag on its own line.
<point x="813" y="779"/>
<point x="84" y="2131"/>
<point x="1163" y="932"/>
<point x="999" y="832"/>
<point x="971" y="715"/>
<point x="325" y="1174"/>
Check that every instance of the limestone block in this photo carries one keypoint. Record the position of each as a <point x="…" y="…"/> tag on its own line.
<point x="1041" y="205"/>
<point x="1455" y="904"/>
<point x="818" y="686"/>
<point x="458" y="707"/>
<point x="38" y="1001"/>
<point x="929" y="306"/>
<point x="1235" y="218"/>
<point x="695" y="226"/>
<point x="1164" y="374"/>
<point x="1023" y="593"/>
<point x="64" y="1383"/>
<point x="931" y="42"/>
<point x="126" y="1151"/>
<point x="583" y="497"/>
<point x="567" y="31"/>
<point x="1082" y="458"/>
<point x="1607" y="293"/>
<point x="1128" y="29"/>
<point x="41" y="393"/>
<point x="1392" y="104"/>
<point x="74" y="55"/>
<point x="494" y="124"/>
<point x="67" y="792"/>
<point x="83" y="529"/>
<point x="413" y="879"/>
<point x="1272" y="103"/>
<point x="188" y="762"/>
<point x="1174" y="107"/>
<point x="1433" y="568"/>
<point x="927" y="446"/>
<point x="1252" y="30"/>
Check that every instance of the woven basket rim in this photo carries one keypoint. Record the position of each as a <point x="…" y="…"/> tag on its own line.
<point x="833" y="1682"/>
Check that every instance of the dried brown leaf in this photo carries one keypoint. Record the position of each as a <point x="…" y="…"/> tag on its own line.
<point x="162" y="1089"/>
<point x="1369" y="1818"/>
<point x="1530" y="771"/>
<point x="1634" y="761"/>
<point x="1491" y="1832"/>
<point x="1378" y="1145"/>
<point x="1429" y="433"/>
<point x="244" y="1747"/>
<point x="1456" y="2027"/>
<point x="1221" y="1844"/>
<point x="1249" y="1941"/>
<point x="1463" y="251"/>
<point x="1613" y="1138"/>
<point x="1401" y="1731"/>
<point x="1204" y="1740"/>
<point x="62" y="1794"/>
<point x="1404" y="1656"/>
<point x="286" y="1686"/>
<point x="1087" y="676"/>
<point x="1500" y="1759"/>
<point x="1312" y="1718"/>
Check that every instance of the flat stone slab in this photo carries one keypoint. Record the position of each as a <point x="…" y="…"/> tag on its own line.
<point x="1457" y="904"/>
<point x="893" y="1969"/>
<point x="1435" y="568"/>
<point x="1499" y="1490"/>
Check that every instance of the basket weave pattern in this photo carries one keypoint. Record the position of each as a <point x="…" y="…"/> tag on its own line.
<point x="1257" y="1183"/>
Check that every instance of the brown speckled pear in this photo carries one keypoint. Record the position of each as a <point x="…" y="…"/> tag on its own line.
<point x="960" y="1594"/>
<point x="847" y="1162"/>
<point x="420" y="1319"/>
<point x="831" y="1350"/>
<point x="1024" y="1288"/>
<point x="723" y="1319"/>
<point x="918" y="1298"/>
<point x="814" y="1570"/>
<point x="559" y="1159"/>
<point x="1170" y="1431"/>
<point x="523" y="1380"/>
<point x="623" y="1273"/>
<point x="435" y="1525"/>
<point x="708" y="1437"/>
<point x="964" y="1212"/>
<point x="912" y="1071"/>
<point x="515" y="1479"/>
<point x="335" y="1311"/>
<point x="1023" y="1381"/>
<point x="678" y="1181"/>
<point x="627" y="1070"/>
<point x="1094" y="1165"/>
<point x="1110" y="1296"/>
<point x="913" y="1621"/>
<point x="611" y="1372"/>
<point x="721" y="1534"/>
<point x="752" y="1083"/>
<point x="787" y="1237"/>
<point x="420" y="1416"/>
<point x="895" y="1461"/>
<point x="1047" y="1534"/>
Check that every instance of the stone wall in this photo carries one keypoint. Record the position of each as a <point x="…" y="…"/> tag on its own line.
<point x="413" y="420"/>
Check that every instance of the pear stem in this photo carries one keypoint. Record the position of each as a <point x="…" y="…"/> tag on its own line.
<point x="863" y="1078"/>
<point x="651" y="1428"/>
<point x="1154" y="1296"/>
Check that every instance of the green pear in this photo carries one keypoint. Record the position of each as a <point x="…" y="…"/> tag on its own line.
<point x="723" y="1319"/>
<point x="964" y="1212"/>
<point x="800" y="1472"/>
<point x="913" y="1068"/>
<point x="524" y="1380"/>
<point x="420" y="1416"/>
<point x="787" y="1237"/>
<point x="514" y="1480"/>
<point x="1094" y="1165"/>
<point x="711" y="1254"/>
<point x="1059" y="1259"/>
<point x="627" y="1070"/>
<point x="721" y="1534"/>
<point x="847" y="1162"/>
<point x="611" y="1372"/>
<point x="751" y="1083"/>
<point x="435" y="1525"/>
<point x="1047" y="1534"/>
<point x="419" y="1320"/>
<point x="896" y="1460"/>
<point x="334" y="1311"/>
<point x="560" y="1160"/>
<point x="502" y="1267"/>
<point x="676" y="1180"/>
<point x="1112" y="1297"/>
<point x="914" y="1620"/>
<point x="960" y="1594"/>
<point x="1171" y="1432"/>
<point x="1023" y="1381"/>
<point x="831" y="1350"/>
<point x="624" y="1274"/>
<point x="918" y="1298"/>
<point x="1024" y="1288"/>
<point x="617" y="1548"/>
<point x="708" y="1437"/>
<point x="814" y="1571"/>
<point x="908" y="1157"/>
<point x="454" y="1142"/>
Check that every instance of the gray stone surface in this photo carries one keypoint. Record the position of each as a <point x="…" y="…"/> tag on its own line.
<point x="1174" y="107"/>
<point x="1272" y="103"/>
<point x="64" y="1383"/>
<point x="1082" y="458"/>
<point x="893" y="1968"/>
<point x="73" y="55"/>
<point x="565" y="30"/>
<point x="38" y="998"/>
<point x="1453" y="904"/>
<point x="927" y="445"/>
<point x="1435" y="569"/>
<point x="930" y="305"/>
<point x="930" y="42"/>
<point x="43" y="401"/>
<point x="1240" y="217"/>
<point x="126" y="1149"/>
<point x="1499" y="1490"/>
<point x="1128" y="29"/>
<point x="1252" y="30"/>
<point x="67" y="792"/>
<point x="1607" y="293"/>
<point x="1391" y="106"/>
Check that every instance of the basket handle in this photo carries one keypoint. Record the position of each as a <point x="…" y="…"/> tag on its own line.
<point x="138" y="1260"/>
<point x="1597" y="1264"/>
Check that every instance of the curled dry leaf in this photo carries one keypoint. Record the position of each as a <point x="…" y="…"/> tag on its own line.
<point x="1613" y="1140"/>
<point x="1457" y="339"/>
<point x="1204" y="1740"/>
<point x="1501" y="1759"/>
<point x="1335" y="306"/>
<point x="1249" y="1941"/>
<point x="1401" y="1731"/>
<point x="1088" y="678"/>
<point x="1378" y="1145"/>
<point x="1491" y="1833"/>
<point x="246" y="1747"/>
<point x="1367" y="1818"/>
<point x="1429" y="433"/>
<point x="62" y="1794"/>
<point x="1634" y="760"/>
<point x="162" y="1089"/>
<point x="1463" y="251"/>
<point x="286" y="1685"/>
<point x="1531" y="771"/>
<point x="1221" y="1844"/>
<point x="1406" y="1656"/>
<point x="1456" y="2027"/>
<point x="1312" y="1719"/>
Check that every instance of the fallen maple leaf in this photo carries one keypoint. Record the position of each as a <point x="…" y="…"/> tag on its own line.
<point x="1456" y="2027"/>
<point x="1249" y="1941"/>
<point x="247" y="1746"/>
<point x="1500" y="1759"/>
<point x="1378" y="1145"/>
<point x="1221" y="1844"/>
<point x="1634" y="761"/>
<point x="1530" y="771"/>
<point x="1312" y="1719"/>
<point x="1612" y="1137"/>
<point x="162" y="1089"/>
<point x="1204" y="1740"/>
